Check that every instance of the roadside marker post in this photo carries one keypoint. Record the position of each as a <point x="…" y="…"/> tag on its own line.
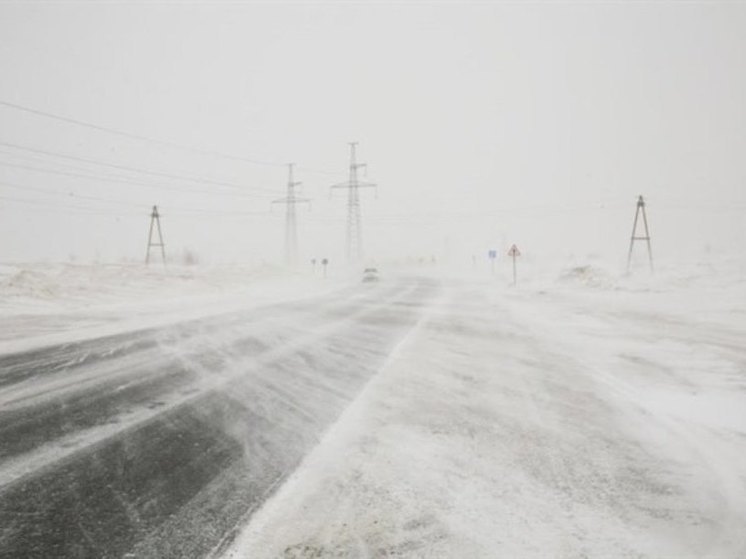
<point x="514" y="252"/>
<point x="492" y="256"/>
<point x="324" y="263"/>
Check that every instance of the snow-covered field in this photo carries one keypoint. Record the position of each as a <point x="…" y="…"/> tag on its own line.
<point x="583" y="416"/>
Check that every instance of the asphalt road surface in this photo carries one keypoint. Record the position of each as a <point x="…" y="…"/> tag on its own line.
<point x="161" y="442"/>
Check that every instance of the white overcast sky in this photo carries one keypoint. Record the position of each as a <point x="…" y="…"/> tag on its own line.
<point x="483" y="123"/>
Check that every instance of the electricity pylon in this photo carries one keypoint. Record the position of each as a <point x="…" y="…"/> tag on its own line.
<point x="291" y="231"/>
<point x="155" y="220"/>
<point x="646" y="238"/>
<point x="354" y="233"/>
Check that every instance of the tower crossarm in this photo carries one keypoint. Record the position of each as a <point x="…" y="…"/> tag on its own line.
<point x="354" y="185"/>
<point x="291" y="200"/>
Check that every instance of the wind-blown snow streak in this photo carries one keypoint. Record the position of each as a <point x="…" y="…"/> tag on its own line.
<point x="557" y="422"/>
<point x="156" y="443"/>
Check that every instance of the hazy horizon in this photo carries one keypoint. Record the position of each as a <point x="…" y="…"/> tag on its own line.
<point x="483" y="125"/>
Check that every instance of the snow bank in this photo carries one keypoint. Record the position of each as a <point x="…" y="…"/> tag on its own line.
<point x="586" y="276"/>
<point x="72" y="285"/>
<point x="55" y="303"/>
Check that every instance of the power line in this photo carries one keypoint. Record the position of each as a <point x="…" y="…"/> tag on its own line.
<point x="69" y="212"/>
<point x="99" y="176"/>
<point x="33" y="202"/>
<point x="216" y="213"/>
<point x="72" y="195"/>
<point x="200" y="180"/>
<point x="132" y="135"/>
<point x="141" y="137"/>
<point x="30" y="158"/>
<point x="118" y="201"/>
<point x="91" y="210"/>
<point x="108" y="178"/>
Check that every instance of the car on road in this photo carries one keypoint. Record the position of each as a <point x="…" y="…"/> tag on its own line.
<point x="370" y="275"/>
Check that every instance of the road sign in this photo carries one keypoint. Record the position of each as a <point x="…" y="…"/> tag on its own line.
<point x="492" y="254"/>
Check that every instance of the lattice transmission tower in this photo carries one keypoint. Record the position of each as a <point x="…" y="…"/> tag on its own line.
<point x="291" y="230"/>
<point x="353" y="186"/>
<point x="635" y="237"/>
<point x="155" y="222"/>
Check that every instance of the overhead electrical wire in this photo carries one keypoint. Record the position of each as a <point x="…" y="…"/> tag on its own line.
<point x="66" y="165"/>
<point x="106" y="178"/>
<point x="200" y="180"/>
<point x="141" y="137"/>
<point x="217" y="213"/>
<point x="91" y="209"/>
<point x="72" y="195"/>
<point x="143" y="207"/>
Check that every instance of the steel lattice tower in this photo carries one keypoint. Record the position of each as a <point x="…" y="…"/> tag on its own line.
<point x="636" y="237"/>
<point x="155" y="221"/>
<point x="353" y="186"/>
<point x="291" y="230"/>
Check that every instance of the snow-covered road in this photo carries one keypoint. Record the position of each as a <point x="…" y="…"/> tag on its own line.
<point x="533" y="424"/>
<point x="159" y="442"/>
<point x="420" y="417"/>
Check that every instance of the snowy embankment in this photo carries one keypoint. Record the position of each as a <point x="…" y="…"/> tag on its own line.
<point x="586" y="416"/>
<point x="42" y="304"/>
